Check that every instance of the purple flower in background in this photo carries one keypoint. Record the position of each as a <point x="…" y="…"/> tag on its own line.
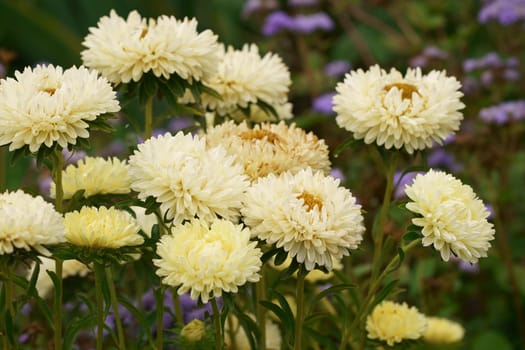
<point x="429" y="53"/>
<point x="115" y="148"/>
<point x="337" y="173"/>
<point x="439" y="158"/>
<point x="401" y="182"/>
<point x="506" y="12"/>
<point x="323" y="104"/>
<point x="278" y="21"/>
<point x="252" y="6"/>
<point x="503" y="112"/>
<point x="337" y="68"/>
<point x="299" y="3"/>
<point x="177" y="124"/>
<point x="491" y="68"/>
<point x="465" y="266"/>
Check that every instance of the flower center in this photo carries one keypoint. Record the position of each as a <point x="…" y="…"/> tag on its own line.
<point x="260" y="134"/>
<point x="50" y="91"/>
<point x="406" y="89"/>
<point x="310" y="201"/>
<point x="143" y="32"/>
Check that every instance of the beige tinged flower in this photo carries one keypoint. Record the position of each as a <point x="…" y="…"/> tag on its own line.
<point x="207" y="259"/>
<point x="270" y="148"/>
<point x="443" y="331"/>
<point x="453" y="219"/>
<point x="47" y="105"/>
<point x="392" y="323"/>
<point x="308" y="214"/>
<point x="411" y="111"/>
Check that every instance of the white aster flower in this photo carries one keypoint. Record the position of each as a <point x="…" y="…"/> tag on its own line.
<point x="44" y="284"/>
<point x="244" y="77"/>
<point x="95" y="175"/>
<point x="102" y="228"/>
<point x="48" y="105"/>
<point x="28" y="222"/>
<point x="207" y="259"/>
<point x="443" y="331"/>
<point x="308" y="214"/>
<point x="270" y="148"/>
<point x="453" y="218"/>
<point x="124" y="49"/>
<point x="188" y="178"/>
<point x="411" y="111"/>
<point x="392" y="323"/>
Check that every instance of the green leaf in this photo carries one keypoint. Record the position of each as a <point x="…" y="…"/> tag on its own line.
<point x="280" y="257"/>
<point x="268" y="109"/>
<point x="411" y="236"/>
<point x="9" y="328"/>
<point x="332" y="290"/>
<point x="344" y="145"/>
<point x="268" y="255"/>
<point x="384" y="292"/>
<point x="76" y="325"/>
<point x="401" y="254"/>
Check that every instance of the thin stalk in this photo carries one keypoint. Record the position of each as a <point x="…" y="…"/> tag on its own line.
<point x="8" y="290"/>
<point x="260" y="293"/>
<point x="56" y="171"/>
<point x="148" y="121"/>
<point x="176" y="306"/>
<point x="3" y="169"/>
<point x="379" y="233"/>
<point x="299" y="316"/>
<point x="159" y="304"/>
<point x="374" y="285"/>
<point x="232" y="331"/>
<point x="217" y="322"/>
<point x="99" y="275"/>
<point x="116" y="312"/>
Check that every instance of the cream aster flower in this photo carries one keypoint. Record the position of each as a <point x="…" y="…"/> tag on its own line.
<point x="308" y="214"/>
<point x="443" y="331"/>
<point x="95" y="175"/>
<point x="244" y="77"/>
<point x="410" y="111"/>
<point x="207" y="259"/>
<point x="392" y="323"/>
<point x="453" y="218"/>
<point x="44" y="284"/>
<point x="188" y="178"/>
<point x="124" y="49"/>
<point x="46" y="104"/>
<point x="240" y="340"/>
<point x="270" y="148"/>
<point x="28" y="222"/>
<point x="102" y="228"/>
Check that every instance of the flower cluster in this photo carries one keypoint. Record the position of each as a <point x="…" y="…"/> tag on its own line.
<point x="305" y="24"/>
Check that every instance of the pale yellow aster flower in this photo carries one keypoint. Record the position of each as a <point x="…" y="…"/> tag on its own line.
<point x="188" y="178"/>
<point x="125" y="49"/>
<point x="95" y="175"/>
<point x="208" y="259"/>
<point x="308" y="214"/>
<point x="270" y="148"/>
<point x="194" y="331"/>
<point x="28" y="222"/>
<point x="102" y="228"/>
<point x="44" y="284"/>
<point x="48" y="105"/>
<point x="235" y="335"/>
<point x="392" y="323"/>
<point x="443" y="331"/>
<point x="411" y="111"/>
<point x="452" y="217"/>
<point x="244" y="77"/>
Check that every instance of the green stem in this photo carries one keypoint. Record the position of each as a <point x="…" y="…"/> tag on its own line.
<point x="217" y="322"/>
<point x="299" y="315"/>
<point x="3" y="169"/>
<point x="148" y="122"/>
<point x="9" y="294"/>
<point x="56" y="171"/>
<point x="116" y="312"/>
<point x="99" y="275"/>
<point x="260" y="310"/>
<point x="159" y="301"/>
<point x="379" y="232"/>
<point x="374" y="285"/>
<point x="176" y="306"/>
